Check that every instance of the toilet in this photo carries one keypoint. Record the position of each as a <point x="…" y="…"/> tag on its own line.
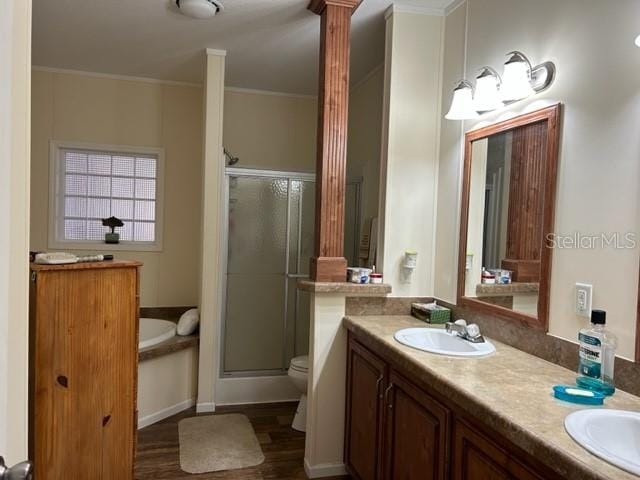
<point x="298" y="373"/>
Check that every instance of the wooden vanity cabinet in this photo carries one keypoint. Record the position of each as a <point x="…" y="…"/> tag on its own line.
<point x="476" y="457"/>
<point x="83" y="378"/>
<point x="396" y="430"/>
<point x="368" y="378"/>
<point x="416" y="435"/>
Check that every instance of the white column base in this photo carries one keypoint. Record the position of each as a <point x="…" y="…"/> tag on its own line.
<point x="324" y="448"/>
<point x="324" y="470"/>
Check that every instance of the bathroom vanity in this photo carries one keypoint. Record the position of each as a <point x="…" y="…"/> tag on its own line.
<point x="415" y="415"/>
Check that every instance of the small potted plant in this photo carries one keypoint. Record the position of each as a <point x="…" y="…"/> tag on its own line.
<point x="112" y="223"/>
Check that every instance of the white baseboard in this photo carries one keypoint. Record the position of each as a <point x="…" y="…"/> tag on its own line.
<point x="324" y="469"/>
<point x="279" y="400"/>
<point x="165" y="413"/>
<point x="248" y="390"/>
<point x="205" y="407"/>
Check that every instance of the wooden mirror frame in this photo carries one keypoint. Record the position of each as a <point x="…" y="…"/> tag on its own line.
<point x="550" y="115"/>
<point x="637" y="359"/>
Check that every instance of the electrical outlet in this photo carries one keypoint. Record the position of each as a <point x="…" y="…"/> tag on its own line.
<point x="584" y="294"/>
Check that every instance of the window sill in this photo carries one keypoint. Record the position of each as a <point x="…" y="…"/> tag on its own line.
<point x="106" y="247"/>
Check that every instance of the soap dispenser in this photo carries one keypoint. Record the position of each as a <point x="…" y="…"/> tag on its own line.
<point x="597" y="355"/>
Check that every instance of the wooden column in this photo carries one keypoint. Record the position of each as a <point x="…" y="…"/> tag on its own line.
<point x="328" y="263"/>
<point x="526" y="202"/>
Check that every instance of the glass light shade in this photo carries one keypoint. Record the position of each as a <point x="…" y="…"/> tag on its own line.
<point x="637" y="41"/>
<point x="487" y="96"/>
<point x="199" y="9"/>
<point x="462" y="104"/>
<point x="516" y="81"/>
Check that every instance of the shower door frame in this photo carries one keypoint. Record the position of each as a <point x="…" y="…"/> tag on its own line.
<point x="283" y="175"/>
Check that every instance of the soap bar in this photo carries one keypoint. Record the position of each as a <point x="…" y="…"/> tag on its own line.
<point x="577" y="395"/>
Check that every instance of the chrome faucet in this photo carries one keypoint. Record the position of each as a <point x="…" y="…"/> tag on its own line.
<point x="470" y="333"/>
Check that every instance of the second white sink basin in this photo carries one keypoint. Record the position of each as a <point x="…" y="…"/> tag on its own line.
<point x="613" y="435"/>
<point x="439" y="341"/>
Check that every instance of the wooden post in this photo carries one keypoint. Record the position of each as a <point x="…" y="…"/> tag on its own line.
<point x="328" y="263"/>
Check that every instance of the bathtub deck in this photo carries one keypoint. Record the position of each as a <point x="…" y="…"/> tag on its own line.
<point x="158" y="448"/>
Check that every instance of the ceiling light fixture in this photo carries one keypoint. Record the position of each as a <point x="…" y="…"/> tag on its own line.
<point x="487" y="95"/>
<point x="200" y="9"/>
<point x="462" y="103"/>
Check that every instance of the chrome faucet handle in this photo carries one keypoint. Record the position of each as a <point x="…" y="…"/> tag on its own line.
<point x="21" y="471"/>
<point x="473" y="330"/>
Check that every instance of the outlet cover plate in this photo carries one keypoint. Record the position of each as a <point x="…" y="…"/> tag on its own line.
<point x="583" y="295"/>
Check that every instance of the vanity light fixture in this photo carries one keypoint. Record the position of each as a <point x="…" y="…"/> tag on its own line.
<point x="487" y="95"/>
<point x="637" y="41"/>
<point x="519" y="80"/>
<point x="516" y="83"/>
<point x="462" y="103"/>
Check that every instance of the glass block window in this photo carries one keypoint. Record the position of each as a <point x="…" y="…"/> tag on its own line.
<point x="99" y="184"/>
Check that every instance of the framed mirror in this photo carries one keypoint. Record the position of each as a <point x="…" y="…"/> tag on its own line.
<point x="507" y="215"/>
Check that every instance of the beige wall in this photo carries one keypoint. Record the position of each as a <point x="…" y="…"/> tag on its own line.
<point x="364" y="141"/>
<point x="271" y="131"/>
<point x="599" y="171"/>
<point x="90" y="109"/>
<point x="15" y="70"/>
<point x="450" y="162"/>
<point x="410" y="148"/>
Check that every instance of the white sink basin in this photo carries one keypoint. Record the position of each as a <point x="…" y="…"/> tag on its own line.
<point x="439" y="341"/>
<point x="613" y="435"/>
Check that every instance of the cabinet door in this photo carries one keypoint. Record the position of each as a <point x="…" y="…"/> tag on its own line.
<point x="85" y="358"/>
<point x="117" y="305"/>
<point x="366" y="378"/>
<point x="475" y="457"/>
<point x="416" y="434"/>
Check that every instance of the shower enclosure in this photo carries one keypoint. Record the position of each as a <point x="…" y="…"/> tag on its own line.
<point x="269" y="244"/>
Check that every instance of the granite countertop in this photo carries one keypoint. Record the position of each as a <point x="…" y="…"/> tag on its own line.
<point x="510" y="391"/>
<point x="355" y="289"/>
<point x="507" y="288"/>
<point x="174" y="344"/>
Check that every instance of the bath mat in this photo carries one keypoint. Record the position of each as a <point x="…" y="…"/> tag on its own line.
<point x="213" y="443"/>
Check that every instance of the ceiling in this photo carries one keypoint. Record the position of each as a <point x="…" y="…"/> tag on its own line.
<point x="270" y="44"/>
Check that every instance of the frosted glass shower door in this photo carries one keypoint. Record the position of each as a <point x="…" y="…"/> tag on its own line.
<point x="256" y="274"/>
<point x="270" y="243"/>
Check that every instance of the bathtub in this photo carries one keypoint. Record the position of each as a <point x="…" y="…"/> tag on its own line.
<point x="154" y="331"/>
<point x="167" y="384"/>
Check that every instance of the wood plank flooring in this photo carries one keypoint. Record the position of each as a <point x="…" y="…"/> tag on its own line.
<point x="159" y="450"/>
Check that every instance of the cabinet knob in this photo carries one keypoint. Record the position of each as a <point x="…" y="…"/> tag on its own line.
<point x="105" y="420"/>
<point x="63" y="381"/>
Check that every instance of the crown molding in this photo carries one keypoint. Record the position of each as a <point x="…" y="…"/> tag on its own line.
<point x="414" y="10"/>
<point x="128" y="78"/>
<point x="253" y="91"/>
<point x="454" y="5"/>
<point x="354" y="88"/>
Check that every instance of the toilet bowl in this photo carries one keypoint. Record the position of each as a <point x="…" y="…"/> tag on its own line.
<point x="298" y="373"/>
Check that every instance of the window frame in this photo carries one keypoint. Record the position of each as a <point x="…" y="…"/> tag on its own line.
<point x="56" y="198"/>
